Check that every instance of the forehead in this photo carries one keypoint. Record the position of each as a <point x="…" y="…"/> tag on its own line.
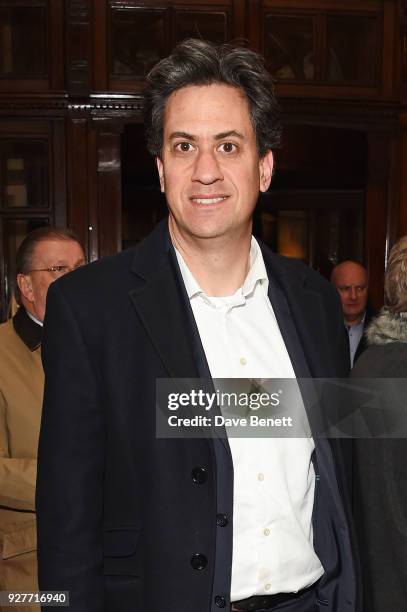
<point x="212" y="108"/>
<point x="351" y="274"/>
<point x="51" y="249"/>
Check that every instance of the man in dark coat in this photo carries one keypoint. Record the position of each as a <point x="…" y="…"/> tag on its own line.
<point x="351" y="280"/>
<point x="130" y="521"/>
<point x="380" y="483"/>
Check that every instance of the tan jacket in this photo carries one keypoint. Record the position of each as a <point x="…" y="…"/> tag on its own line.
<point x="21" y="391"/>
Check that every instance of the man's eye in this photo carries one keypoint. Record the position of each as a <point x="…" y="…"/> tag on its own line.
<point x="228" y="147"/>
<point x="59" y="268"/>
<point x="184" y="147"/>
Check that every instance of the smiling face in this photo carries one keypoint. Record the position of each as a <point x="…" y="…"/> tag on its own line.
<point x="210" y="169"/>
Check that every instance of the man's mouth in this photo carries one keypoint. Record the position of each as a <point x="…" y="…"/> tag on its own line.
<point x="209" y="200"/>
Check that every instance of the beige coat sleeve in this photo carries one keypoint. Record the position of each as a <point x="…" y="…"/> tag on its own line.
<point x="17" y="476"/>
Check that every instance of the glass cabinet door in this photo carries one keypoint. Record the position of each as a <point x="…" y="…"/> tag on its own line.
<point x="24" y="170"/>
<point x="23" y="35"/>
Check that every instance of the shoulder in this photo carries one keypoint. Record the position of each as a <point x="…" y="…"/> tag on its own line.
<point x="8" y="335"/>
<point x="94" y="284"/>
<point x="382" y="360"/>
<point x="13" y="351"/>
<point x="294" y="271"/>
<point x="114" y="275"/>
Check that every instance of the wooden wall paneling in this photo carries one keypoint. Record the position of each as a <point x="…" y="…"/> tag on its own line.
<point x="376" y="218"/>
<point x="138" y="35"/>
<point x="3" y="306"/>
<point x="200" y="22"/>
<point x="37" y="78"/>
<point x="357" y="6"/>
<point x="93" y="215"/>
<point x="100" y="63"/>
<point x="289" y="44"/>
<point x="27" y="133"/>
<point x="254" y="33"/>
<point x="239" y="26"/>
<point x="321" y="53"/>
<point x="56" y="25"/>
<point x="109" y="197"/>
<point x="389" y="38"/>
<point x="403" y="174"/>
<point x="58" y="170"/>
<point x="330" y="25"/>
<point x="395" y="177"/>
<point x="79" y="47"/>
<point x="78" y="177"/>
<point x="402" y="48"/>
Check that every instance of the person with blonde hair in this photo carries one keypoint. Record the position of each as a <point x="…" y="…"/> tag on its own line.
<point x="380" y="483"/>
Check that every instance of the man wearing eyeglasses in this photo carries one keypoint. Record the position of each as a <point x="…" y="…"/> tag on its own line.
<point x="43" y="256"/>
<point x="351" y="280"/>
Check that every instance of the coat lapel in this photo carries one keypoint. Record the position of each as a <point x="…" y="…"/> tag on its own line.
<point x="305" y="308"/>
<point x="162" y="304"/>
<point x="158" y="300"/>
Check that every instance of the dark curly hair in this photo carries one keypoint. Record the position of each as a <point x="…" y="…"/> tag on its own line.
<point x="198" y="62"/>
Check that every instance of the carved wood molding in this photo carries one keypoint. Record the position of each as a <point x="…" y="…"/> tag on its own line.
<point x="68" y="105"/>
<point x="360" y="116"/>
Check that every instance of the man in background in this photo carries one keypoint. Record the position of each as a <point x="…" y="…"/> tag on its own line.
<point x="43" y="256"/>
<point x="351" y="280"/>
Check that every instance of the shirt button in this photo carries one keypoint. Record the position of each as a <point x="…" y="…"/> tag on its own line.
<point x="267" y="586"/>
<point x="220" y="601"/>
<point x="243" y="361"/>
<point x="221" y="520"/>
<point x="260" y="476"/>
<point x="266" y="532"/>
<point x="199" y="475"/>
<point x="199" y="561"/>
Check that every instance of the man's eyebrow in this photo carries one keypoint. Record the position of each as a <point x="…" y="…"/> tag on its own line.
<point x="182" y="135"/>
<point x="223" y="135"/>
<point x="219" y="136"/>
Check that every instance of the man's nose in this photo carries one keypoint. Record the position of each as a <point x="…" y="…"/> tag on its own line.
<point x="207" y="169"/>
<point x="353" y="293"/>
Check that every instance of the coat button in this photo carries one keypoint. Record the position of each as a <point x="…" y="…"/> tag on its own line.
<point x="221" y="520"/>
<point x="220" y="601"/>
<point x="199" y="475"/>
<point x="199" y="561"/>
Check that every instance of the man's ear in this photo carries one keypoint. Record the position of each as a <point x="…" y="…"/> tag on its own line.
<point x="24" y="284"/>
<point x="266" y="170"/>
<point x="160" y="168"/>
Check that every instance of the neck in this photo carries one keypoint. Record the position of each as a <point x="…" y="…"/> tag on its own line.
<point x="219" y="265"/>
<point x="354" y="321"/>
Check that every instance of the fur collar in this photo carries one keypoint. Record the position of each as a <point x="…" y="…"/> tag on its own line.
<point x="387" y="327"/>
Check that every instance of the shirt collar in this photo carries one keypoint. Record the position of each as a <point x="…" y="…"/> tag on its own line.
<point x="37" y="321"/>
<point x="27" y="329"/>
<point x="357" y="325"/>
<point x="257" y="273"/>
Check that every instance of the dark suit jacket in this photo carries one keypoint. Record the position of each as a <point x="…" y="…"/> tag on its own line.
<point x="362" y="346"/>
<point x="121" y="514"/>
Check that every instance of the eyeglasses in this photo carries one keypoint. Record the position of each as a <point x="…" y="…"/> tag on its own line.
<point x="347" y="288"/>
<point x="56" y="270"/>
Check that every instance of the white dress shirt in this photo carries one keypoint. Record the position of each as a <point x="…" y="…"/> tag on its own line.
<point x="274" y="479"/>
